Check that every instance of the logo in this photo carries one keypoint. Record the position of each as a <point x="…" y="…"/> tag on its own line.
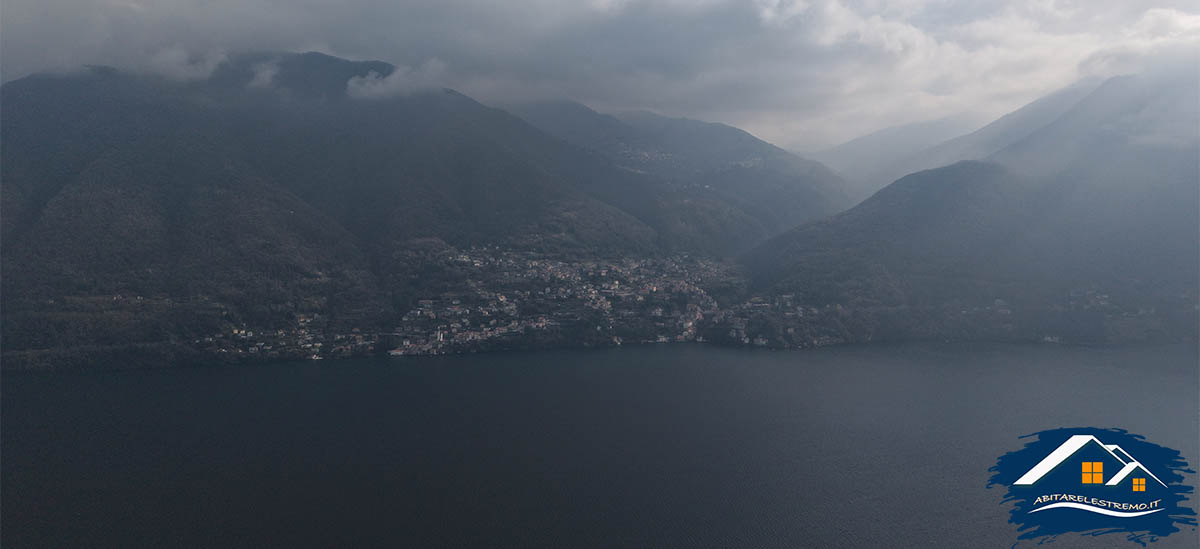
<point x="1095" y="482"/>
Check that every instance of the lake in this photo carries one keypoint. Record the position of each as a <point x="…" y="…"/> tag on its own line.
<point x="653" y="446"/>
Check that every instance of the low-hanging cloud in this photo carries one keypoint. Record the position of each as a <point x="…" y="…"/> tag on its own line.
<point x="801" y="73"/>
<point x="402" y="80"/>
<point x="177" y="64"/>
<point x="264" y="74"/>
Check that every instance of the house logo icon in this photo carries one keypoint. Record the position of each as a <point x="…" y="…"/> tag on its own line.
<point x="1095" y="481"/>
<point x="1087" y="458"/>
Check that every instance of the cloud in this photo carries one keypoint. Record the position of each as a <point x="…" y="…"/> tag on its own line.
<point x="1161" y="36"/>
<point x="177" y="64"/>
<point x="403" y="80"/>
<point x="801" y="73"/>
<point x="264" y="74"/>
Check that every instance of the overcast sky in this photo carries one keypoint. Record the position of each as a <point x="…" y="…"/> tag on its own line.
<point x="802" y="74"/>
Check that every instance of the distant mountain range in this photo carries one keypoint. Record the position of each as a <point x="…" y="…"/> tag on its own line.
<point x="144" y="215"/>
<point x="269" y="196"/>
<point x="1102" y="200"/>
<point x="910" y="148"/>
<point x="872" y="161"/>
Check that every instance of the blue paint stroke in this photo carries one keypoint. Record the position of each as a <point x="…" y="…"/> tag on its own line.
<point x="1044" y="526"/>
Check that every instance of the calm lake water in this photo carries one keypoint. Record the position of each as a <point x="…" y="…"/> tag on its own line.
<point x="656" y="446"/>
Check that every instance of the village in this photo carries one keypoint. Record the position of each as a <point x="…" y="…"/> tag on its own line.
<point x="511" y="300"/>
<point x="516" y="300"/>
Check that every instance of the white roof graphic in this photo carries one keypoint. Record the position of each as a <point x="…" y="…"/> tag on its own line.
<point x="1129" y="468"/>
<point x="1120" y="452"/>
<point x="1072" y="445"/>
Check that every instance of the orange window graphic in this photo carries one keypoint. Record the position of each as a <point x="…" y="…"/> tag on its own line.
<point x="1093" y="472"/>
<point x="1139" y="485"/>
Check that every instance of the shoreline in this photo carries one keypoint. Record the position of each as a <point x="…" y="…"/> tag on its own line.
<point x="154" y="357"/>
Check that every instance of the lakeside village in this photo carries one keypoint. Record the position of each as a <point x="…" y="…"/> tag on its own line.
<point x="518" y="300"/>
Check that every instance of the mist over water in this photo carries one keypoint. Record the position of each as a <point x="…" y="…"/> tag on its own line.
<point x="867" y="446"/>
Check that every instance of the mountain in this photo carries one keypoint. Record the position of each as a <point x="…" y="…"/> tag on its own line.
<point x="872" y="170"/>
<point x="738" y="175"/>
<point x="868" y="162"/>
<point x="1084" y="229"/>
<point x="1003" y="132"/>
<point x="140" y="211"/>
<point x="1121" y="169"/>
<point x="1122" y="119"/>
<point x="145" y="214"/>
<point x="265" y="211"/>
<point x="940" y="226"/>
<point x="433" y="164"/>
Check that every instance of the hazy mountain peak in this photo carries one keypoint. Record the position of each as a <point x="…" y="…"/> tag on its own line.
<point x="1084" y="200"/>
<point x="1119" y="124"/>
<point x="869" y="159"/>
<point x="976" y="145"/>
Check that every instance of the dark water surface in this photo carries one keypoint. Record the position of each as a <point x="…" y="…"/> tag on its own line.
<point x="659" y="446"/>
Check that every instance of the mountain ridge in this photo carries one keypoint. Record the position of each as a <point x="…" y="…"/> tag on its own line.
<point x="1087" y="231"/>
<point x="140" y="211"/>
<point x="772" y="187"/>
<point x="224" y="220"/>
